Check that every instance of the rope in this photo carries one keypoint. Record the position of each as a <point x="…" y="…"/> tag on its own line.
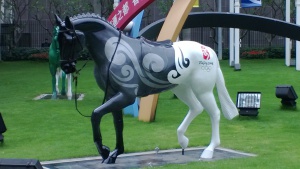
<point x="75" y="79"/>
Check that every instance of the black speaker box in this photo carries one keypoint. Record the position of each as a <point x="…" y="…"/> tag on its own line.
<point x="2" y="125"/>
<point x="20" y="164"/>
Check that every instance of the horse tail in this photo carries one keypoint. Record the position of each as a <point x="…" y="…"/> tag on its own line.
<point x="228" y="107"/>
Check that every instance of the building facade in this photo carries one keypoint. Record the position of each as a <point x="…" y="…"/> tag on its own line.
<point x="32" y="28"/>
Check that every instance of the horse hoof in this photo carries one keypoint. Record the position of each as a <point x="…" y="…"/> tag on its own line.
<point x="183" y="142"/>
<point x="104" y="152"/>
<point x="112" y="157"/>
<point x="207" y="154"/>
<point x="110" y="160"/>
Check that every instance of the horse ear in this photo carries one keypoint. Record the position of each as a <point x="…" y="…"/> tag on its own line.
<point x="58" y="20"/>
<point x="68" y="23"/>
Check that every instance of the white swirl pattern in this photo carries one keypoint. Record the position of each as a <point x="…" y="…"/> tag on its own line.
<point x="153" y="62"/>
<point x="150" y="63"/>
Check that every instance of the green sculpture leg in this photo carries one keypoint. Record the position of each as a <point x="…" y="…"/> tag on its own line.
<point x="53" y="73"/>
<point x="54" y="58"/>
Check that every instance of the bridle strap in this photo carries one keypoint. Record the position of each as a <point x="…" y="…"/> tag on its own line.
<point x="77" y="72"/>
<point x="73" y="34"/>
<point x="75" y="77"/>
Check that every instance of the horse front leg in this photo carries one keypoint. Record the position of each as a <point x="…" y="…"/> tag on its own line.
<point x="53" y="80"/>
<point x="63" y="82"/>
<point x="115" y="105"/>
<point x="119" y="125"/>
<point x="95" y="120"/>
<point x="69" y="92"/>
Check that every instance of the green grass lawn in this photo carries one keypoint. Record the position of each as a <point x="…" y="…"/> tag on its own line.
<point x="52" y="129"/>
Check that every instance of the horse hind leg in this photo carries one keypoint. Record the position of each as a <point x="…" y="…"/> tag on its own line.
<point x="209" y="103"/>
<point x="186" y="95"/>
<point x="54" y="81"/>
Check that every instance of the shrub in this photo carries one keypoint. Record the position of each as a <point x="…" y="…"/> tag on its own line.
<point x="44" y="56"/>
<point x="38" y="54"/>
<point x="279" y="53"/>
<point x="225" y="54"/>
<point x="260" y="53"/>
<point x="22" y="53"/>
<point x="254" y="54"/>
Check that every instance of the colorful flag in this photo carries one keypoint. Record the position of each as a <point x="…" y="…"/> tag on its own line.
<point x="250" y="3"/>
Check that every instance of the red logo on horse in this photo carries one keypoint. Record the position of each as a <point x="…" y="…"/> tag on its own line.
<point x="205" y="52"/>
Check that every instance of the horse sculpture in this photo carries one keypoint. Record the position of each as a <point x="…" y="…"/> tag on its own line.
<point x="126" y="68"/>
<point x="54" y="66"/>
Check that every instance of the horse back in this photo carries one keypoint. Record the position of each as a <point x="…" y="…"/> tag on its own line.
<point x="141" y="68"/>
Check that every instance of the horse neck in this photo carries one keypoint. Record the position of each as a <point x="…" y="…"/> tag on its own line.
<point x="53" y="45"/>
<point x="96" y="45"/>
<point x="97" y="38"/>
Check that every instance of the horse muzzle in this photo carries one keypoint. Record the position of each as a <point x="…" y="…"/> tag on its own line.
<point x="68" y="66"/>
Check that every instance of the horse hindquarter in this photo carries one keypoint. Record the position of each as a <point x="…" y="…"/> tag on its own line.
<point x="199" y="75"/>
<point x="196" y="64"/>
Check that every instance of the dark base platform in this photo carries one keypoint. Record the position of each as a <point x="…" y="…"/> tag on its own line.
<point x="79" y="96"/>
<point x="146" y="159"/>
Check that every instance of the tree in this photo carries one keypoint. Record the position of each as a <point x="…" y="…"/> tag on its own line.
<point x="273" y="9"/>
<point x="211" y="6"/>
<point x="13" y="14"/>
<point x="46" y="9"/>
<point x="164" y="6"/>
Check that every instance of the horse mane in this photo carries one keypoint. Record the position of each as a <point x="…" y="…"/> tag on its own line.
<point x="89" y="16"/>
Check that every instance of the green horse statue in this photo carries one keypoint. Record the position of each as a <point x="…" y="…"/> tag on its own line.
<point x="56" y="72"/>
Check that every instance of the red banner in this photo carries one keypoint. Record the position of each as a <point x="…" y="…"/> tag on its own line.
<point x="126" y="11"/>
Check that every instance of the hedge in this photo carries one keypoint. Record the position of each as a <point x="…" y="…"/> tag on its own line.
<point x="21" y="53"/>
<point x="260" y="53"/>
<point x="41" y="54"/>
<point x="37" y="54"/>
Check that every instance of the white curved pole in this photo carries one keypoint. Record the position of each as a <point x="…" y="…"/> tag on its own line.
<point x="220" y="36"/>
<point x="237" y="39"/>
<point x="231" y="36"/>
<point x="297" y="4"/>
<point x="288" y="40"/>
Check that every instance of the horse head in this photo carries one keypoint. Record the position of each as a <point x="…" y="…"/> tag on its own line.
<point x="71" y="42"/>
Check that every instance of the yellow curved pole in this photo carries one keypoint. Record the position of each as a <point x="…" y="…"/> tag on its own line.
<point x="170" y="30"/>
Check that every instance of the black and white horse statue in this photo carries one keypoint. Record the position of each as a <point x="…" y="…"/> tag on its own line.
<point x="126" y="68"/>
